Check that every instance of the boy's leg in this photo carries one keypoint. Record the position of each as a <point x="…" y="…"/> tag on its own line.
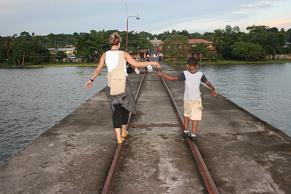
<point x="194" y="126"/>
<point x="193" y="134"/>
<point x="186" y="124"/>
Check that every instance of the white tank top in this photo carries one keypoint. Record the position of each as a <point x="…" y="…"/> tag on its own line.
<point x="192" y="85"/>
<point x="111" y="60"/>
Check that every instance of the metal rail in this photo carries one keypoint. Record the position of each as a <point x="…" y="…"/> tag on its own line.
<point x="207" y="179"/>
<point x="119" y="150"/>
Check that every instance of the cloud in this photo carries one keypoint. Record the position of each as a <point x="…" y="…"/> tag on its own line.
<point x="280" y="23"/>
<point x="156" y="16"/>
<point x="248" y="8"/>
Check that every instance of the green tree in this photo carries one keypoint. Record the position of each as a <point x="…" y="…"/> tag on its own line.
<point x="2" y="55"/>
<point x="60" y="56"/>
<point x="164" y="35"/>
<point x="200" y="50"/>
<point x="7" y="46"/>
<point x="247" y="51"/>
<point x="270" y="39"/>
<point x="229" y="37"/>
<point x="28" y="49"/>
<point x="185" y="33"/>
<point x="288" y="35"/>
<point x="136" y="41"/>
<point x="176" y="48"/>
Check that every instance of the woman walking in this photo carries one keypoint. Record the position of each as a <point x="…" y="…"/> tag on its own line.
<point x="118" y="91"/>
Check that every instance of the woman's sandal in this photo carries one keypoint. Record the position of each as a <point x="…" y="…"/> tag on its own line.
<point x="120" y="141"/>
<point x="125" y="135"/>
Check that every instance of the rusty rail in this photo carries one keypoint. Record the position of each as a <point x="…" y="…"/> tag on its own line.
<point x="207" y="179"/>
<point x="119" y="150"/>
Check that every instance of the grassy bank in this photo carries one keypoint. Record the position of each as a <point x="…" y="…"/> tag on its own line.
<point x="63" y="65"/>
<point x="236" y="62"/>
<point x="51" y="65"/>
<point x="178" y="63"/>
<point x="231" y="62"/>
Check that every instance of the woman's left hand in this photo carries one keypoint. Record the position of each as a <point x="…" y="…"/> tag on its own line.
<point x="89" y="84"/>
<point x="214" y="93"/>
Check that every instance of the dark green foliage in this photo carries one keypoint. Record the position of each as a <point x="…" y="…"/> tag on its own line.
<point x="91" y="45"/>
<point x="247" y="51"/>
<point x="2" y="54"/>
<point x="23" y="49"/>
<point x="176" y="48"/>
<point x="60" y="56"/>
<point x="231" y="43"/>
<point x="288" y="35"/>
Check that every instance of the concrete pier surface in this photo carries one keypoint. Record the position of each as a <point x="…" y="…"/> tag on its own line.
<point x="74" y="156"/>
<point x="243" y="154"/>
<point x="156" y="158"/>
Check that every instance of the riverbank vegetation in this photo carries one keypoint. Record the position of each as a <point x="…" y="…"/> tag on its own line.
<point x="182" y="63"/>
<point x="254" y="45"/>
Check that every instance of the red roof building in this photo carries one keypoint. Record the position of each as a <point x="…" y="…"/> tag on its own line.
<point x="209" y="44"/>
<point x="200" y="40"/>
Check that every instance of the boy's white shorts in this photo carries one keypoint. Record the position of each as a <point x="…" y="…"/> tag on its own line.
<point x="193" y="109"/>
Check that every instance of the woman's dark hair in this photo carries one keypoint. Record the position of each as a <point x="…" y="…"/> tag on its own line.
<point x="114" y="39"/>
<point x="192" y="61"/>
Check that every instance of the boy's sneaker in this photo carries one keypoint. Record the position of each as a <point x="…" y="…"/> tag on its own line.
<point x="193" y="136"/>
<point x="186" y="132"/>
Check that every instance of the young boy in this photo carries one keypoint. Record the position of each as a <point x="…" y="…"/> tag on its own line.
<point x="192" y="95"/>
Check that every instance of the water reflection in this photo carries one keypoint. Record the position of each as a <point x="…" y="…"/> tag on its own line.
<point x="33" y="100"/>
<point x="264" y="90"/>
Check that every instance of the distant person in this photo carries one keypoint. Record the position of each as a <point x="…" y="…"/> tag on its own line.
<point x="192" y="95"/>
<point x="118" y="91"/>
<point x="137" y="71"/>
<point x="149" y="68"/>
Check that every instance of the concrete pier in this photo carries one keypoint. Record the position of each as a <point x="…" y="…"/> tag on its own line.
<point x="243" y="153"/>
<point x="72" y="157"/>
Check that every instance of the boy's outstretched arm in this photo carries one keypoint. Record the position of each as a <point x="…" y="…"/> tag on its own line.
<point x="210" y="85"/>
<point x="167" y="77"/>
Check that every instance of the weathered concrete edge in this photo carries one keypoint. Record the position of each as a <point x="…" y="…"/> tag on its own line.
<point x="270" y="126"/>
<point x="244" y="110"/>
<point x="47" y="130"/>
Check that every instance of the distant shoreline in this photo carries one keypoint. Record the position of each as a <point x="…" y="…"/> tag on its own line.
<point x="49" y="65"/>
<point x="236" y="62"/>
<point x="217" y="62"/>
<point x="232" y="62"/>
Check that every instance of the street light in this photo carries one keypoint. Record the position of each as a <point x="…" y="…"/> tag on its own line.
<point x="126" y="38"/>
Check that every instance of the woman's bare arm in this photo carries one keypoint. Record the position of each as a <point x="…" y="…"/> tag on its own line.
<point x="137" y="64"/>
<point x="97" y="71"/>
<point x="99" y="67"/>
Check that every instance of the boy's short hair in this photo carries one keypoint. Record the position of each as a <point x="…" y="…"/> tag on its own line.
<point x="192" y="61"/>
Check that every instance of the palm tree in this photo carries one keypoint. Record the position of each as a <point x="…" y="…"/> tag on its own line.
<point x="8" y="46"/>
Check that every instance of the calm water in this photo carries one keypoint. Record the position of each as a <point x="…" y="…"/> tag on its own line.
<point x="33" y="100"/>
<point x="264" y="90"/>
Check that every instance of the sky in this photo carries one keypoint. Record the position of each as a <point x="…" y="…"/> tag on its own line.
<point x="156" y="16"/>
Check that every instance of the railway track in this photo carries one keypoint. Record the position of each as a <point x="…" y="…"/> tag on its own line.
<point x="206" y="182"/>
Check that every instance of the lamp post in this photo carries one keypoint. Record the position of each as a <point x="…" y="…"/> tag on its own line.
<point x="126" y="38"/>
